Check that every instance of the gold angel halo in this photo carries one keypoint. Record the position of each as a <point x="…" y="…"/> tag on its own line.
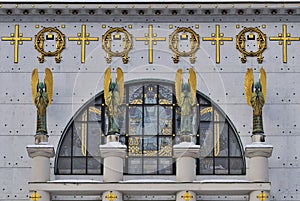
<point x="34" y="83"/>
<point x="120" y="83"/>
<point x="193" y="83"/>
<point x="49" y="84"/>
<point x="107" y="80"/>
<point x="263" y="81"/>
<point x="248" y="85"/>
<point x="178" y="84"/>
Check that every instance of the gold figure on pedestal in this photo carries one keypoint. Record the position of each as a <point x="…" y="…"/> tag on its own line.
<point x="113" y="95"/>
<point x="186" y="98"/>
<point x="256" y="97"/>
<point x="42" y="97"/>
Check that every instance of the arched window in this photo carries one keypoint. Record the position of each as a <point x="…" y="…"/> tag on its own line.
<point x="149" y="127"/>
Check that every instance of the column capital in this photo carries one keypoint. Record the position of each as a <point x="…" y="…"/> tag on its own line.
<point x="258" y="149"/>
<point x="186" y="149"/>
<point x="113" y="149"/>
<point x="45" y="150"/>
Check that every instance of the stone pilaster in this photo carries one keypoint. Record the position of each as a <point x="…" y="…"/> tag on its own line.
<point x="113" y="154"/>
<point x="186" y="154"/>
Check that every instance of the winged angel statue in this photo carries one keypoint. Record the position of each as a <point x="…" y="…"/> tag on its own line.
<point x="186" y="98"/>
<point x="113" y="95"/>
<point x="256" y="97"/>
<point x="41" y="96"/>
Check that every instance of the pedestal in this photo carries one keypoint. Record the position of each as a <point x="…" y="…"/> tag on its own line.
<point x="40" y="167"/>
<point x="258" y="154"/>
<point x="113" y="154"/>
<point x="186" y="154"/>
<point x="40" y="163"/>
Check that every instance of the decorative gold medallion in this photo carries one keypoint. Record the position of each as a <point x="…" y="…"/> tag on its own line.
<point x="35" y="196"/>
<point x="16" y="40"/>
<point x="241" y="43"/>
<point x="183" y="34"/>
<point x="187" y="196"/>
<point x="117" y="34"/>
<point x="111" y="196"/>
<point x="83" y="39"/>
<point x="262" y="196"/>
<point x="284" y="39"/>
<point x="47" y="33"/>
<point x="150" y="40"/>
<point x="217" y="39"/>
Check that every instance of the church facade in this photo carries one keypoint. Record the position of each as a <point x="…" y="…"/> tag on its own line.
<point x="154" y="100"/>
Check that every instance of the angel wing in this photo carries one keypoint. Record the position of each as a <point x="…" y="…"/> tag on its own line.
<point x="178" y="84"/>
<point x="193" y="83"/>
<point x="34" y="83"/>
<point x="249" y="80"/>
<point x="49" y="84"/>
<point x="120" y="83"/>
<point x="107" y="80"/>
<point x="263" y="81"/>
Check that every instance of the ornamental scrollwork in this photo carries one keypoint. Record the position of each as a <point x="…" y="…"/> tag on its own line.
<point x="114" y="34"/>
<point x="261" y="43"/>
<point x="181" y="34"/>
<point x="39" y="43"/>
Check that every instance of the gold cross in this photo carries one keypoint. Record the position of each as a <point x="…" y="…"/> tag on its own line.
<point x="35" y="196"/>
<point x="187" y="196"/>
<point x="262" y="196"/>
<point x="83" y="39"/>
<point x="150" y="40"/>
<point x="217" y="39"/>
<point x="16" y="40"/>
<point x="111" y="196"/>
<point x="284" y="39"/>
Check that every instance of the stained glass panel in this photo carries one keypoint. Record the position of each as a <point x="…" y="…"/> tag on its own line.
<point x="150" y="120"/>
<point x="135" y="120"/>
<point x="165" y="120"/>
<point x="95" y="113"/>
<point x="136" y="94"/>
<point x="150" y="146"/>
<point x="165" y="94"/>
<point x="135" y="146"/>
<point x="150" y="166"/>
<point x="165" y="146"/>
<point x="150" y="94"/>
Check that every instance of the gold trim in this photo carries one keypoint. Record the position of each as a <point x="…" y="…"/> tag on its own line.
<point x="111" y="196"/>
<point x="150" y="40"/>
<point x="216" y="134"/>
<point x="39" y="43"/>
<point x="83" y="39"/>
<point x="194" y="44"/>
<point x="84" y="133"/>
<point x="187" y="196"/>
<point x="284" y="39"/>
<point x="16" y="40"/>
<point x="262" y="196"/>
<point x="217" y="39"/>
<point x="261" y="43"/>
<point x="127" y="44"/>
<point x="35" y="196"/>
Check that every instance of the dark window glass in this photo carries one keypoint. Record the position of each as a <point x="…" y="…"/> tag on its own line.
<point x="149" y="127"/>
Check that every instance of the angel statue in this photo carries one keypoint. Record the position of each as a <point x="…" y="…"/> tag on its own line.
<point x="256" y="97"/>
<point x="41" y="96"/>
<point x="113" y="96"/>
<point x="186" y="98"/>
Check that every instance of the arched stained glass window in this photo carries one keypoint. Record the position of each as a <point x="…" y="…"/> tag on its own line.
<point x="150" y="127"/>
